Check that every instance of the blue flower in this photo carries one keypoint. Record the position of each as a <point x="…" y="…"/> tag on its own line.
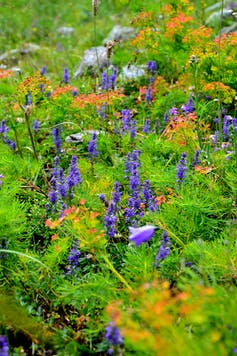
<point x="141" y="234"/>
<point x="3" y="346"/>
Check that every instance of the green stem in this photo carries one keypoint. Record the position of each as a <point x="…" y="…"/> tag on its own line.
<point x="24" y="255"/>
<point x="117" y="274"/>
<point x="27" y="116"/>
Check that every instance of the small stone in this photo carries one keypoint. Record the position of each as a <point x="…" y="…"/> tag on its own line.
<point x="132" y="72"/>
<point x="92" y="59"/>
<point x="119" y="33"/>
<point x="65" y="31"/>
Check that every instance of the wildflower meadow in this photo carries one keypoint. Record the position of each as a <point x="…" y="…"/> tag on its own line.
<point x="118" y="178"/>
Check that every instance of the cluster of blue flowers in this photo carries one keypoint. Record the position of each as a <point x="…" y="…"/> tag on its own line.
<point x="108" y="82"/>
<point x="92" y="147"/>
<point x="181" y="168"/>
<point x="73" y="259"/>
<point x="3" y="134"/>
<point x="128" y="124"/>
<point x="140" y="196"/>
<point x="164" y="250"/>
<point x="62" y="188"/>
<point x="110" y="218"/>
<point x="113" y="337"/>
<point x="56" y="131"/>
<point x="4" y="348"/>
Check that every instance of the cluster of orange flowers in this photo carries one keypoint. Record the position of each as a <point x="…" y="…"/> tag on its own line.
<point x="142" y="18"/>
<point x="82" y="100"/>
<point x="176" y="24"/>
<point x="150" y="332"/>
<point x="5" y="73"/>
<point x="34" y="85"/>
<point x="219" y="90"/>
<point x="63" y="90"/>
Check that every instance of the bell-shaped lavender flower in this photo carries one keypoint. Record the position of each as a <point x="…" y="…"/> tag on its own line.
<point x="4" y="348"/>
<point x="181" y="168"/>
<point x="141" y="234"/>
<point x="92" y="147"/>
<point x="66" y="78"/>
<point x="56" y="131"/>
<point x="164" y="250"/>
<point x="113" y="337"/>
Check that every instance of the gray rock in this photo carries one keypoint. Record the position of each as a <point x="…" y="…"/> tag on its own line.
<point x="65" y="31"/>
<point x="228" y="29"/>
<point x="215" y="16"/>
<point x="14" y="55"/>
<point x="216" y="6"/>
<point x="79" y="137"/>
<point x="92" y="59"/>
<point x="119" y="33"/>
<point x="132" y="72"/>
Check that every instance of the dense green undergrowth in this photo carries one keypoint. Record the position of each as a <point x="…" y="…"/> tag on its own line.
<point x="156" y="153"/>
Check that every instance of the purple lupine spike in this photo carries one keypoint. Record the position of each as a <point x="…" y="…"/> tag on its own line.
<point x="110" y="219"/>
<point x="173" y="111"/>
<point x="66" y="78"/>
<point x="104" y="80"/>
<point x="28" y="99"/>
<point x="188" y="107"/>
<point x="148" y="96"/>
<point x="164" y="249"/>
<point x="116" y="195"/>
<point x="113" y="337"/>
<point x="112" y="79"/>
<point x="10" y="143"/>
<point x="56" y="131"/>
<point x="146" y="127"/>
<point x="92" y="147"/>
<point x="149" y="197"/>
<point x="62" y="185"/>
<point x="74" y="175"/>
<point x="3" y="127"/>
<point x="73" y="259"/>
<point x="43" y="70"/>
<point x="196" y="158"/>
<point x="4" y="348"/>
<point x="152" y="67"/>
<point x="36" y="126"/>
<point x="181" y="168"/>
<point x="226" y="127"/>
